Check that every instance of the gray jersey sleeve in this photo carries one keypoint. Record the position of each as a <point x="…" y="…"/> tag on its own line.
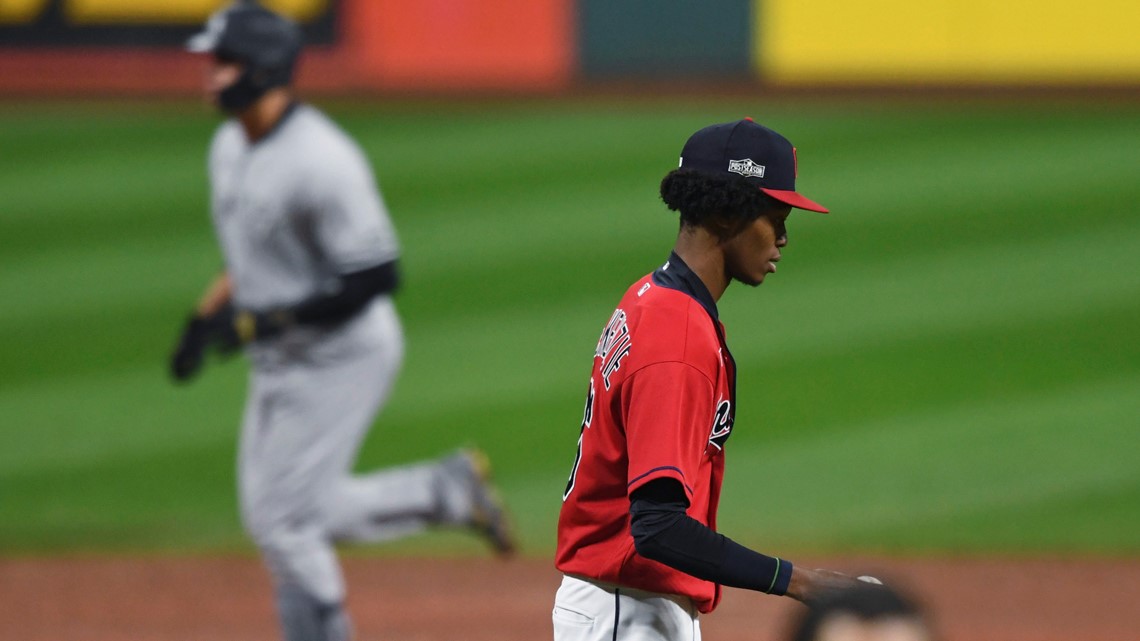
<point x="348" y="219"/>
<point x="227" y="144"/>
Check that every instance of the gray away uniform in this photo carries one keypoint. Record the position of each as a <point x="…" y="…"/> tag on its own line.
<point x="292" y="211"/>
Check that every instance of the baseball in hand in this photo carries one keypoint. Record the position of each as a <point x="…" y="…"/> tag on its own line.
<point x="866" y="578"/>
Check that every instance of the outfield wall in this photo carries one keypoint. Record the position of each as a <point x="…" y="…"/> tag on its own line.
<point x="132" y="46"/>
<point x="948" y="41"/>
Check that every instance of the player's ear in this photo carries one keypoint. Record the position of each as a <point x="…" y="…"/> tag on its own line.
<point x="725" y="228"/>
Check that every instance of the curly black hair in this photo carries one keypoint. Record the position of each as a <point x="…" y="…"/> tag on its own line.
<point x="724" y="206"/>
<point x="865" y="601"/>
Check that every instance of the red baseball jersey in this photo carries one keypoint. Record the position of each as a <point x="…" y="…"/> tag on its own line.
<point x="660" y="405"/>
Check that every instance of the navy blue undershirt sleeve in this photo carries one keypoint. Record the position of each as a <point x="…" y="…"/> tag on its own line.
<point x="356" y="290"/>
<point x="663" y="532"/>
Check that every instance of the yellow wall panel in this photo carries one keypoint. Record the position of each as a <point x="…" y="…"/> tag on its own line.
<point x="20" y="11"/>
<point x="977" y="41"/>
<point x="173" y="11"/>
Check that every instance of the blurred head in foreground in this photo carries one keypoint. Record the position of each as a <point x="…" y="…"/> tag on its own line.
<point x="865" y="612"/>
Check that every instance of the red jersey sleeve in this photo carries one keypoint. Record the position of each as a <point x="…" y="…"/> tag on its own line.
<point x="667" y="428"/>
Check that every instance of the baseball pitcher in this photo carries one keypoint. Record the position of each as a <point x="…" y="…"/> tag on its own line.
<point x="637" y="539"/>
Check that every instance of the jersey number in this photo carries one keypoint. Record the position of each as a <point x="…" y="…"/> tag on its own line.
<point x="587" y="417"/>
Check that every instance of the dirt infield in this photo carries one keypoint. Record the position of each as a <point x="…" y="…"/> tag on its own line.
<point x="223" y="599"/>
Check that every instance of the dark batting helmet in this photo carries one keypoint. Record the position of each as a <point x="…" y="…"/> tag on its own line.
<point x="265" y="43"/>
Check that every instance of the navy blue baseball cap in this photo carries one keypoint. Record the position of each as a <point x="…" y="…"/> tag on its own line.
<point x="747" y="150"/>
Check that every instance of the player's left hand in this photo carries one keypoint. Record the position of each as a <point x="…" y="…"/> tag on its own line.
<point x="188" y="354"/>
<point x="202" y="333"/>
<point x="806" y="583"/>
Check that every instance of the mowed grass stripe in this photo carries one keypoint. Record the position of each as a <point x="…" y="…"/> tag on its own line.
<point x="108" y="180"/>
<point x="996" y="281"/>
<point x="884" y="477"/>
<point x="134" y="412"/>
<point x="63" y="485"/>
<point x="166" y="499"/>
<point x="1098" y="521"/>
<point x="784" y="399"/>
<point x="62" y="283"/>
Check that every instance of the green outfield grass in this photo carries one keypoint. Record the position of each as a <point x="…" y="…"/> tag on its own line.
<point x="948" y="363"/>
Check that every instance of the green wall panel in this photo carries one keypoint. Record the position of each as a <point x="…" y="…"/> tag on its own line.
<point x="683" y="38"/>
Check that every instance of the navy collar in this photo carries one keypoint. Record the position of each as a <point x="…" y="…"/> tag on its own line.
<point x="675" y="274"/>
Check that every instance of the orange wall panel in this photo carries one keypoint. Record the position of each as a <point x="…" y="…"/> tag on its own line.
<point x="493" y="44"/>
<point x="380" y="45"/>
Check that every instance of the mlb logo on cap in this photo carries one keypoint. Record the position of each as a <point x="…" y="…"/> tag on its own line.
<point x="747" y="150"/>
<point x="746" y="167"/>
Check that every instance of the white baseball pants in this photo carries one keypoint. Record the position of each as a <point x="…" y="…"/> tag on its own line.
<point x="585" y="610"/>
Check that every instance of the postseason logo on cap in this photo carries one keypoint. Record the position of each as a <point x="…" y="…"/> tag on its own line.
<point x="746" y="168"/>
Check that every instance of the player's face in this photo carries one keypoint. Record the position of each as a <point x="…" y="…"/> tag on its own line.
<point x="219" y="75"/>
<point x="753" y="253"/>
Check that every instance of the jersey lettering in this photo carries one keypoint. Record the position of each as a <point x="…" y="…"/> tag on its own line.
<point x="613" y="345"/>
<point x="722" y="424"/>
<point x="587" y="418"/>
<point x="588" y="413"/>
